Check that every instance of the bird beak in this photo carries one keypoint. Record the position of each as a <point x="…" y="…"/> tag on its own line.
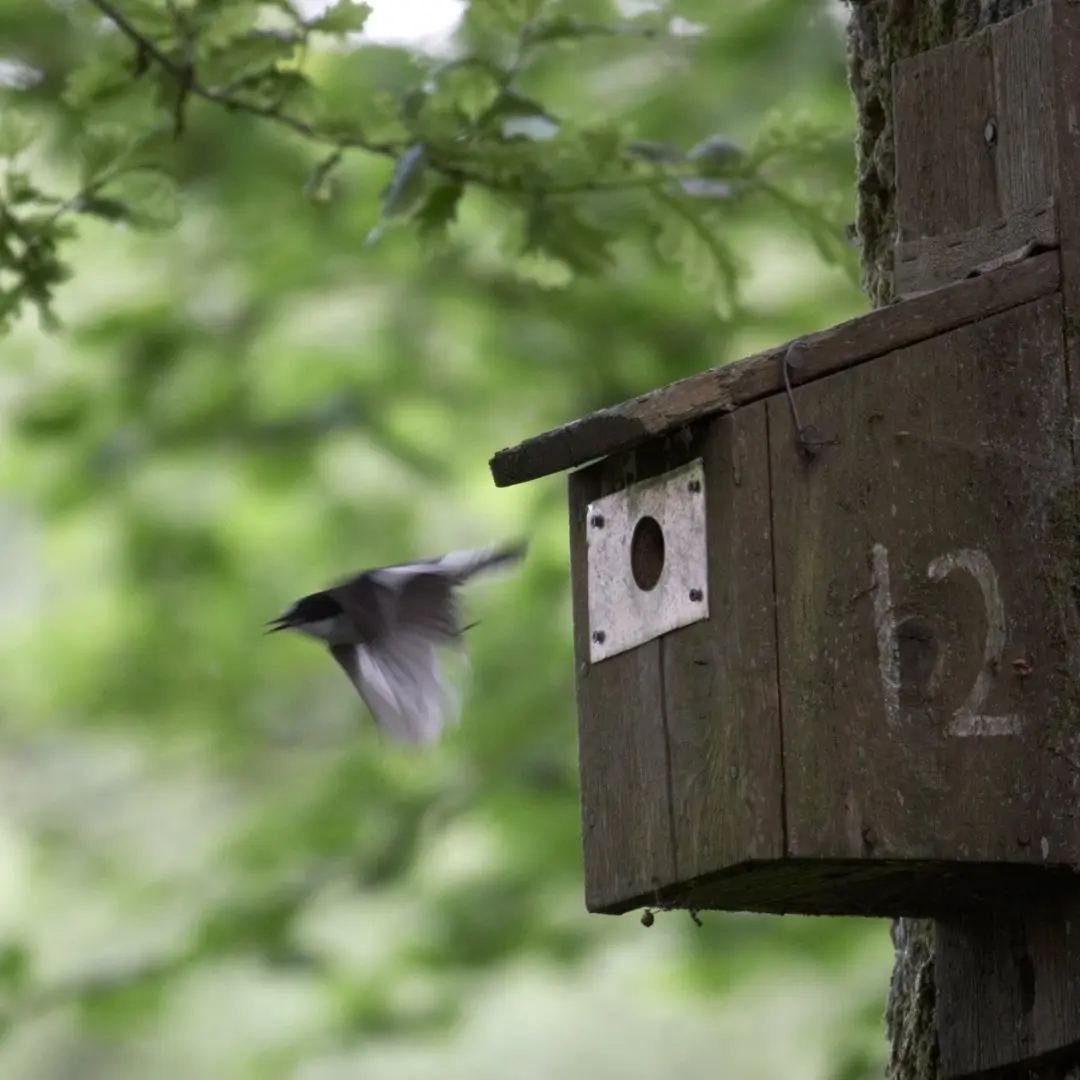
<point x="280" y="623"/>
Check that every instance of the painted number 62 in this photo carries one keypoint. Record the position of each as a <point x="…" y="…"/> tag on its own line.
<point x="969" y="719"/>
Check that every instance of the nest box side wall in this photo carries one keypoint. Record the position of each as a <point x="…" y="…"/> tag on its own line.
<point x="679" y="738"/>
<point x="924" y="654"/>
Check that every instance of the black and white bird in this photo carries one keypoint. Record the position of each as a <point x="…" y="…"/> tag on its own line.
<point x="384" y="626"/>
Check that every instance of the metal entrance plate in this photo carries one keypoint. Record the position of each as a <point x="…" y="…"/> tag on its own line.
<point x="647" y="561"/>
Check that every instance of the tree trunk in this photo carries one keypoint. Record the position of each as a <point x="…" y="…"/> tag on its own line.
<point x="880" y="32"/>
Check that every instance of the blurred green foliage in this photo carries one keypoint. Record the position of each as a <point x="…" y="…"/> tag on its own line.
<point x="259" y="398"/>
<point x="570" y="182"/>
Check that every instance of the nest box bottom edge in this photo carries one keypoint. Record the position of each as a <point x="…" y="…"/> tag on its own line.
<point x="896" y="888"/>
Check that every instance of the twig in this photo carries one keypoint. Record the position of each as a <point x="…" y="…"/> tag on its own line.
<point x="184" y="75"/>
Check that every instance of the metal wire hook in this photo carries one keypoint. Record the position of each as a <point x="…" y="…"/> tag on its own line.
<point x="808" y="439"/>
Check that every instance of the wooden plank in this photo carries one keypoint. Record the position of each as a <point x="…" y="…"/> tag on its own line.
<point x="945" y="171"/>
<point x="935" y="261"/>
<point x="622" y="742"/>
<point x="720" y="675"/>
<point x="1008" y="988"/>
<point x="1008" y="980"/>
<point x="1025" y="153"/>
<point x="724" y="389"/>
<point x="902" y="553"/>
<point x="975" y="181"/>
<point x="1065" y="37"/>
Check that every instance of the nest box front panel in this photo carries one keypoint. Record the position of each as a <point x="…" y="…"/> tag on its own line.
<point x="926" y="601"/>
<point x="677" y="702"/>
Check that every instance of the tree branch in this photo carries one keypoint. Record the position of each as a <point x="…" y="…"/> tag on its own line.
<point x="442" y="160"/>
<point x="184" y="74"/>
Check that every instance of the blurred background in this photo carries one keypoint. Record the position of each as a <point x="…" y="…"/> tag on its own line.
<point x="210" y="863"/>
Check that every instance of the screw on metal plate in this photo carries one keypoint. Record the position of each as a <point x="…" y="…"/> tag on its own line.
<point x="648" y="565"/>
<point x="597" y="521"/>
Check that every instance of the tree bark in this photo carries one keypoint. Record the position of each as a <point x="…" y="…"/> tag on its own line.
<point x="880" y="32"/>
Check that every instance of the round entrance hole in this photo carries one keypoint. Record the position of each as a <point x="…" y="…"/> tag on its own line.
<point x="647" y="553"/>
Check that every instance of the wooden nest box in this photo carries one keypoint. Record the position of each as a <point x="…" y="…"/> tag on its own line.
<point x="827" y="599"/>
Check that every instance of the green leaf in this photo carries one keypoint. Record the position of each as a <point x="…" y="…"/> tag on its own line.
<point x="59" y="409"/>
<point x="257" y="51"/>
<point x="469" y="86"/>
<point x="502" y="16"/>
<point x="218" y="24"/>
<point x="114" y="1004"/>
<point x="18" y="131"/>
<point x="263" y="923"/>
<point x="147" y="199"/>
<point x="690" y="237"/>
<point x="604" y="145"/>
<point x="95" y="82"/>
<point x="439" y="210"/>
<point x="565" y="28"/>
<point x="108" y="209"/>
<point x="556" y="230"/>
<point x="14" y="968"/>
<point x="412" y="104"/>
<point x="344" y="17"/>
<point x="100" y="147"/>
<point x="19" y="189"/>
<point x="152" y="18"/>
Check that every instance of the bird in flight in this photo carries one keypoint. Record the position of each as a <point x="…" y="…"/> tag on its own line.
<point x="384" y="626"/>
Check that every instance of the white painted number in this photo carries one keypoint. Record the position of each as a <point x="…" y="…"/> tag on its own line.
<point x="969" y="719"/>
<point x="888" y="646"/>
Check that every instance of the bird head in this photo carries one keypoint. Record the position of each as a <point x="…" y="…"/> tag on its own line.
<point x="309" y="611"/>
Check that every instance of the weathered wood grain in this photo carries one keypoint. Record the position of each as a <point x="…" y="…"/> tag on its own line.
<point x="935" y="261"/>
<point x="724" y="389"/>
<point x="955" y="455"/>
<point x="945" y="171"/>
<point x="680" y="738"/>
<point x="1008" y="989"/>
<point x="622" y="742"/>
<point x="720" y="679"/>
<point x="1008" y="981"/>
<point x="1026" y="148"/>
<point x="1065" y="36"/>
<point x="975" y="180"/>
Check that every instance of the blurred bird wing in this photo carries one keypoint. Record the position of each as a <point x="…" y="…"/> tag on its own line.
<point x="424" y="590"/>
<point x="465" y="564"/>
<point x="400" y="680"/>
<point x="420" y="601"/>
<point x="458" y="566"/>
